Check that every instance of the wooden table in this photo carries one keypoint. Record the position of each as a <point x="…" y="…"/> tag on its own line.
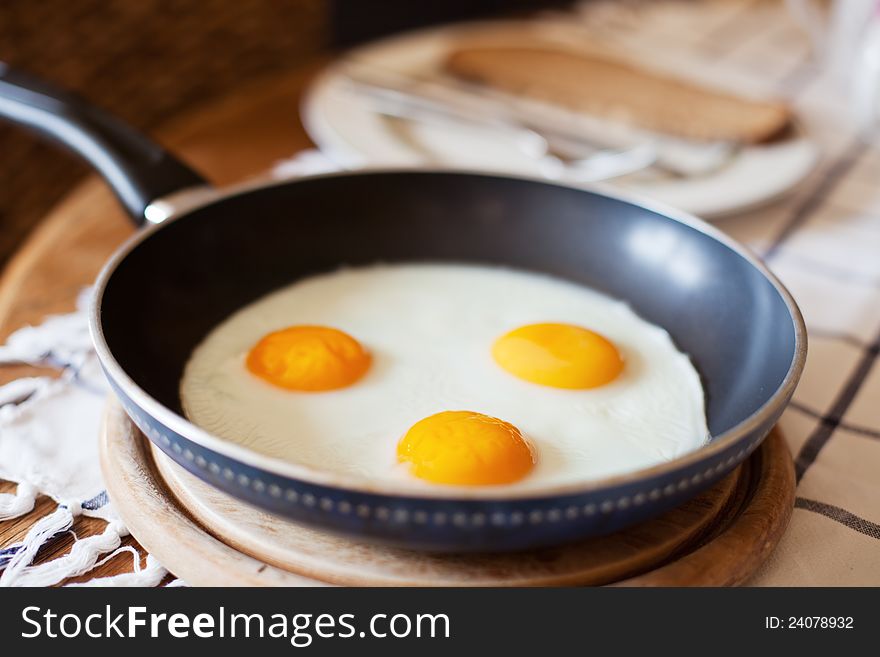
<point x="240" y="137"/>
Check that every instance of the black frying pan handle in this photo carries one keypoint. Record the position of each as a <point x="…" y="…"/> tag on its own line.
<point x="138" y="170"/>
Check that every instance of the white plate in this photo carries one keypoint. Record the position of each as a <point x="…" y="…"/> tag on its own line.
<point x="343" y="125"/>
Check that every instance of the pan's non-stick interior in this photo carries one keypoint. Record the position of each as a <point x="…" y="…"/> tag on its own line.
<point x="182" y="280"/>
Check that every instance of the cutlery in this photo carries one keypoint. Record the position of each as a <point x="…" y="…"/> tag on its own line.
<point x="588" y="152"/>
<point x="555" y="157"/>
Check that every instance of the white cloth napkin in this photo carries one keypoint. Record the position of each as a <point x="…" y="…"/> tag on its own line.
<point x="48" y="428"/>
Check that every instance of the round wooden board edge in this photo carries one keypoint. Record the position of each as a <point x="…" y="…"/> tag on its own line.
<point x="199" y="558"/>
<point x="754" y="533"/>
<point x="186" y="550"/>
<point x="641" y="549"/>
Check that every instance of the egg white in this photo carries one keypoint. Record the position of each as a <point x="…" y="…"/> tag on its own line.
<point x="430" y="330"/>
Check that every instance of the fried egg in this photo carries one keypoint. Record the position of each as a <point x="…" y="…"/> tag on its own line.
<point x="447" y="375"/>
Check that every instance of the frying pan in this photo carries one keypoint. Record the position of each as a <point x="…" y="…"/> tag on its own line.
<point x="165" y="289"/>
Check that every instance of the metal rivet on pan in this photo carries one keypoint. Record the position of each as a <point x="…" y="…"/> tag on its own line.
<point x="188" y="455"/>
<point x="259" y="486"/>
<point x="228" y="474"/>
<point x="308" y="499"/>
<point x="291" y="495"/>
<point x="589" y="509"/>
<point x="326" y="504"/>
<point x="363" y="511"/>
<point x="669" y="489"/>
<point x="243" y="480"/>
<point x="607" y="506"/>
<point x="497" y="518"/>
<point x="214" y="468"/>
<point x="478" y="519"/>
<point x="200" y="461"/>
<point x="639" y="499"/>
<point x="439" y="518"/>
<point x="344" y="507"/>
<point x="421" y="517"/>
<point x="655" y="494"/>
<point x="554" y="515"/>
<point x="536" y="517"/>
<point x="401" y="516"/>
<point x="571" y="512"/>
<point x="623" y="503"/>
<point x="382" y="513"/>
<point x="274" y="490"/>
<point x="459" y="519"/>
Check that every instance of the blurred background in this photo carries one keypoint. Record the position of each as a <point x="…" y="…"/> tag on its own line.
<point x="148" y="60"/>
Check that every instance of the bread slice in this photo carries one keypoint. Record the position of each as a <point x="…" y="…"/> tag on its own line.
<point x="615" y="90"/>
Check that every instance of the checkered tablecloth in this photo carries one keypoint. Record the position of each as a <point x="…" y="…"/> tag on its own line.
<point x="823" y="242"/>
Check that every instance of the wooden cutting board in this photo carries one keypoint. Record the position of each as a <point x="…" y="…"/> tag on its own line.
<point x="209" y="538"/>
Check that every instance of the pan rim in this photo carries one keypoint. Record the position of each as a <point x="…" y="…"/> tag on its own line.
<point x="309" y="475"/>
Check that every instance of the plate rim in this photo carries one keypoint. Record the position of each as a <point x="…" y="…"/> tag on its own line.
<point x="346" y="155"/>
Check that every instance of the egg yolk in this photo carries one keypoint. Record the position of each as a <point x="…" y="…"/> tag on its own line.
<point x="558" y="355"/>
<point x="466" y="448"/>
<point x="308" y="359"/>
